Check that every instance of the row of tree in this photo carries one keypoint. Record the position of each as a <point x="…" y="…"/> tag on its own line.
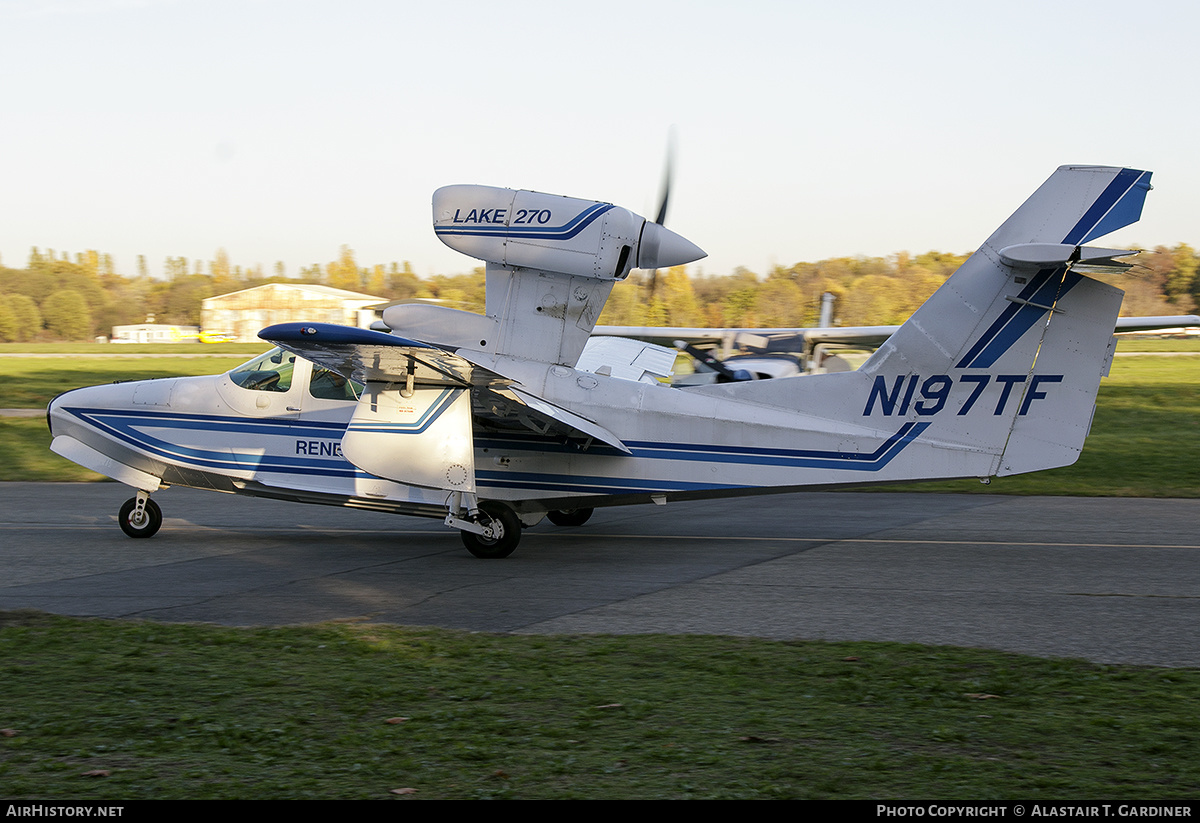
<point x="59" y="298"/>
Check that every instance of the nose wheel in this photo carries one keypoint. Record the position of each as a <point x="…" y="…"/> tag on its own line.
<point x="140" y="516"/>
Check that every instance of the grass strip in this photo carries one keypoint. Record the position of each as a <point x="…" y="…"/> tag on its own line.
<point x="358" y="710"/>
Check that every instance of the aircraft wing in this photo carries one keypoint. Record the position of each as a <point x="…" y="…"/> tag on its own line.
<point x="1170" y="321"/>
<point x="797" y="339"/>
<point x="370" y="356"/>
<point x="875" y="335"/>
<point x="378" y="357"/>
<point x="781" y="339"/>
<point x="872" y="336"/>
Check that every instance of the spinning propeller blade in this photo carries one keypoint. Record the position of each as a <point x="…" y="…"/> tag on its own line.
<point x="651" y="236"/>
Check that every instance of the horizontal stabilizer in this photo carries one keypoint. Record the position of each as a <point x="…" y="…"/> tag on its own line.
<point x="1043" y="255"/>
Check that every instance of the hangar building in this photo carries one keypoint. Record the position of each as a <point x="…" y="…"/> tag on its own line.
<point x="244" y="313"/>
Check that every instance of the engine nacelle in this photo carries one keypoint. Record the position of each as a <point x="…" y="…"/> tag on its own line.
<point x="528" y="229"/>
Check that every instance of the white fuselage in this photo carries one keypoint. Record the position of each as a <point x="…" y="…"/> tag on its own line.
<point x="210" y="432"/>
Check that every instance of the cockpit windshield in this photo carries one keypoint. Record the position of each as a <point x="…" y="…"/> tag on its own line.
<point x="267" y="372"/>
<point x="274" y="372"/>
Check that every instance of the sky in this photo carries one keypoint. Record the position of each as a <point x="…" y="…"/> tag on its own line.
<point x="280" y="130"/>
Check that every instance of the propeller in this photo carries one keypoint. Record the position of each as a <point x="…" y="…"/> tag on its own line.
<point x="650" y="249"/>
<point x="664" y="196"/>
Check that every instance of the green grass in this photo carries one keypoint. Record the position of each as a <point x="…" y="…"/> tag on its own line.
<point x="32" y="382"/>
<point x="1154" y="344"/>
<point x="26" y="456"/>
<point x="176" y="711"/>
<point x="243" y="350"/>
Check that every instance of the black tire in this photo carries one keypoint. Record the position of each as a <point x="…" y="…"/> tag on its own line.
<point x="152" y="517"/>
<point x="570" y="517"/>
<point x="505" y="520"/>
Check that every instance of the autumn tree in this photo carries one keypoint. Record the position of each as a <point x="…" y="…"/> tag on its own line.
<point x="779" y="303"/>
<point x="48" y="272"/>
<point x="222" y="272"/>
<point x="1182" y="286"/>
<point x="66" y="315"/>
<point x="674" y="292"/>
<point x="624" y="306"/>
<point x="8" y="323"/>
<point x="27" y="316"/>
<point x="376" y="280"/>
<point x="738" y="307"/>
<point x="176" y="268"/>
<point x="343" y="273"/>
<point x="402" y="282"/>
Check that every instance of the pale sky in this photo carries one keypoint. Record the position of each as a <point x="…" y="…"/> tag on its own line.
<point x="283" y="129"/>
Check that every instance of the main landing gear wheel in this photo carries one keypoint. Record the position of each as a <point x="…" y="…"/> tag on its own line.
<point x="570" y="517"/>
<point x="140" y="524"/>
<point x="507" y="532"/>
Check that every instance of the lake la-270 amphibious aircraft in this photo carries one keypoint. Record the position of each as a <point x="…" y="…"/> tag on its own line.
<point x="484" y="421"/>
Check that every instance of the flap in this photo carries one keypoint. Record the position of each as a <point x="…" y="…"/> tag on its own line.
<point x="574" y="421"/>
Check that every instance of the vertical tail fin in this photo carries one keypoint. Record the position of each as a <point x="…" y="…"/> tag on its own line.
<point x="997" y="372"/>
<point x="994" y="299"/>
<point x="1009" y="352"/>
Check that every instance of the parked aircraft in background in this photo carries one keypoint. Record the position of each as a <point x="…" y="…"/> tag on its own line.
<point x="488" y="423"/>
<point x="729" y="355"/>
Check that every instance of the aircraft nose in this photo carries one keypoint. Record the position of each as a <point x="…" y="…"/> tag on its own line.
<point x="50" y="410"/>
<point x="54" y="407"/>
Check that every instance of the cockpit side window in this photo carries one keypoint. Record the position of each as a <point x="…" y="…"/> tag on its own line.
<point x="267" y="372"/>
<point x="329" y="385"/>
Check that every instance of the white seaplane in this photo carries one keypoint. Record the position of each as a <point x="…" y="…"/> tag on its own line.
<point x="491" y="423"/>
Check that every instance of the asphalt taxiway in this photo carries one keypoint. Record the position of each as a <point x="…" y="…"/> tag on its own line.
<point x="1110" y="580"/>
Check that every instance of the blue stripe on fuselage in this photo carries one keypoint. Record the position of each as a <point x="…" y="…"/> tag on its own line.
<point x="128" y="426"/>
